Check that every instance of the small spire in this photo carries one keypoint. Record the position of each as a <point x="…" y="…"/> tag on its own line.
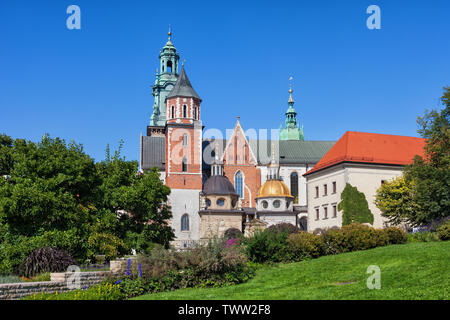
<point x="169" y="33"/>
<point x="291" y="100"/>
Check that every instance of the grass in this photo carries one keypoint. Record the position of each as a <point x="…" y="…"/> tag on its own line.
<point x="409" y="271"/>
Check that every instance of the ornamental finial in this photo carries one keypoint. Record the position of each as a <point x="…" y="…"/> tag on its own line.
<point x="291" y="100"/>
<point x="169" y="33"/>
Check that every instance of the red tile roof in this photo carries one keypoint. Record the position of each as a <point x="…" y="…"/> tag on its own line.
<point x="363" y="147"/>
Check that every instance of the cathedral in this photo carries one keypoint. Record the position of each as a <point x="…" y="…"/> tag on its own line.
<point x="243" y="183"/>
<point x="250" y="184"/>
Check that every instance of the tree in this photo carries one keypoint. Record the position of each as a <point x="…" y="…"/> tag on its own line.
<point x="56" y="195"/>
<point x="395" y="200"/>
<point x="430" y="175"/>
<point x="354" y="206"/>
<point x="138" y="200"/>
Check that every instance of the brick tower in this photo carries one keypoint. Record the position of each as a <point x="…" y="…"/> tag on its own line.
<point x="184" y="158"/>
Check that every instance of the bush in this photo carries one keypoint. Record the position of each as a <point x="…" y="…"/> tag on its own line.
<point x="395" y="235"/>
<point x="44" y="260"/>
<point x="283" y="228"/>
<point x="163" y="269"/>
<point x="105" y="244"/>
<point x="423" y="236"/>
<point x="269" y="245"/>
<point x="104" y="291"/>
<point x="351" y="237"/>
<point x="304" y="245"/>
<point x="444" y="231"/>
<point x="233" y="233"/>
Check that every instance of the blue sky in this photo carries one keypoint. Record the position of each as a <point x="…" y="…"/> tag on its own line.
<point x="94" y="85"/>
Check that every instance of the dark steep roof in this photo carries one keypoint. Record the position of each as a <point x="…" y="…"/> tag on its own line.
<point x="153" y="152"/>
<point x="219" y="185"/>
<point x="183" y="87"/>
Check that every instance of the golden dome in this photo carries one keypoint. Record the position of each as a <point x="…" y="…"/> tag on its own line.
<point x="274" y="188"/>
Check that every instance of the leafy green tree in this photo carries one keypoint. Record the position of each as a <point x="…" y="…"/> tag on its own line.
<point x="53" y="194"/>
<point x="395" y="200"/>
<point x="430" y="175"/>
<point x="139" y="201"/>
<point x="354" y="206"/>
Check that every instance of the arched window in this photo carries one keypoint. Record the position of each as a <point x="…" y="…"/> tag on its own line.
<point x="169" y="66"/>
<point x="185" y="139"/>
<point x="294" y="186"/>
<point x="173" y="112"/>
<point x="238" y="184"/>
<point x="184" y="165"/>
<point x="184" y="111"/>
<point x="185" y="222"/>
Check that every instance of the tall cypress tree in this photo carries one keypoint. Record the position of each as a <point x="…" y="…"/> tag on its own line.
<point x="355" y="206"/>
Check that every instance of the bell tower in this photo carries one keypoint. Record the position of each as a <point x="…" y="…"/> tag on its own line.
<point x="183" y="167"/>
<point x="166" y="78"/>
<point x="183" y="136"/>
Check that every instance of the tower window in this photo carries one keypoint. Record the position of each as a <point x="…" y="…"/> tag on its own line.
<point x="238" y="185"/>
<point x="184" y="166"/>
<point x="184" y="111"/>
<point x="294" y="186"/>
<point x="185" y="222"/>
<point x="169" y="66"/>
<point x="185" y="139"/>
<point x="195" y="113"/>
<point x="173" y="112"/>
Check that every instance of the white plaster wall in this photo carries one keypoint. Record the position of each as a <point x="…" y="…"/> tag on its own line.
<point x="185" y="201"/>
<point x="366" y="178"/>
<point x="274" y="218"/>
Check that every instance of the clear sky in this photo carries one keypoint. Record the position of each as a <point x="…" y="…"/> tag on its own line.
<point x="94" y="85"/>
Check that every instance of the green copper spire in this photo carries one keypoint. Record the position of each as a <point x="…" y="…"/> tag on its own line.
<point x="165" y="81"/>
<point x="291" y="131"/>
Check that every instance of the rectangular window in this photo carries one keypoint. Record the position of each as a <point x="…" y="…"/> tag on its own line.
<point x="334" y="211"/>
<point x="334" y="186"/>
<point x="317" y="192"/>
<point x="325" y="190"/>
<point x="325" y="212"/>
<point x="317" y="213"/>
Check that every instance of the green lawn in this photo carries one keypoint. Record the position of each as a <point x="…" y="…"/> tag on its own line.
<point x="410" y="271"/>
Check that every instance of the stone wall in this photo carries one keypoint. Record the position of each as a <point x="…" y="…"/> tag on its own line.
<point x="58" y="282"/>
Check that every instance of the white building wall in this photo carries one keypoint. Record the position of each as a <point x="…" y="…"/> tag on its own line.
<point x="365" y="177"/>
<point x="276" y="218"/>
<point x="185" y="201"/>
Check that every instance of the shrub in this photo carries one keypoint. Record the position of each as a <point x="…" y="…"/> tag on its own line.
<point x="44" y="260"/>
<point x="444" y="231"/>
<point x="269" y="245"/>
<point x="423" y="236"/>
<point x="233" y="233"/>
<point x="163" y="269"/>
<point x="395" y="235"/>
<point x="351" y="237"/>
<point x="104" y="291"/>
<point x="304" y="245"/>
<point x="283" y="227"/>
<point x="105" y="244"/>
